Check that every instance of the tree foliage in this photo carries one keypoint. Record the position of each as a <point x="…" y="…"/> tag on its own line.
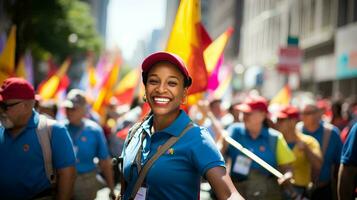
<point x="45" y="28"/>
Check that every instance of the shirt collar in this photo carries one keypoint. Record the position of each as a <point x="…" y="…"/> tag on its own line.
<point x="33" y="122"/>
<point x="319" y="129"/>
<point x="175" y="128"/>
<point x="264" y="132"/>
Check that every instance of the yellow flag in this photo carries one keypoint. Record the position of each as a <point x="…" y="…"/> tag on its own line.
<point x="92" y="76"/>
<point x="49" y="89"/>
<point x="126" y="88"/>
<point x="106" y="90"/>
<point x="283" y="97"/>
<point x="7" y="57"/>
<point x="214" y="51"/>
<point x="129" y="81"/>
<point x="186" y="41"/>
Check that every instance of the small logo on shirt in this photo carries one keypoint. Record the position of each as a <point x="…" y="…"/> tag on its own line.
<point x="26" y="147"/>
<point x="262" y="148"/>
<point x="84" y="139"/>
<point x="170" y="151"/>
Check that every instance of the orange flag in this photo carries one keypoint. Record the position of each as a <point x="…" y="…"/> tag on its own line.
<point x="187" y="42"/>
<point x="283" y="97"/>
<point x="105" y="92"/>
<point x="49" y="88"/>
<point x="7" y="57"/>
<point x="125" y="90"/>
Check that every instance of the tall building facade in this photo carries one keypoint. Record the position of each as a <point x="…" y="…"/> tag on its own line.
<point x="318" y="24"/>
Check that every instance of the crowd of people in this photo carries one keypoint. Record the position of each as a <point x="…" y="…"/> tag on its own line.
<point x="168" y="152"/>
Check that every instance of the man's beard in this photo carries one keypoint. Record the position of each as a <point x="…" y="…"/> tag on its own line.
<point x="6" y="122"/>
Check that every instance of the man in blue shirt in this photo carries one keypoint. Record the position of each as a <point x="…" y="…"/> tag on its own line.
<point x="348" y="167"/>
<point x="328" y="137"/>
<point x="22" y="170"/>
<point x="88" y="143"/>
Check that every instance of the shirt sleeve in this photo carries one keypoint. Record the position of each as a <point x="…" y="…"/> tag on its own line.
<point x="349" y="150"/>
<point x="205" y="154"/>
<point x="283" y="153"/>
<point x="62" y="148"/>
<point x="314" y="146"/>
<point x="103" y="152"/>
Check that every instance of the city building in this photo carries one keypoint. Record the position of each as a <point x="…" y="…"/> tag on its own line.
<point x="326" y="35"/>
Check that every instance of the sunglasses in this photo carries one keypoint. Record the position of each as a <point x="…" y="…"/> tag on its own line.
<point x="6" y="106"/>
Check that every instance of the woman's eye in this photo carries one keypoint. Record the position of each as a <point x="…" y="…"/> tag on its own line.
<point x="153" y="81"/>
<point x="172" y="83"/>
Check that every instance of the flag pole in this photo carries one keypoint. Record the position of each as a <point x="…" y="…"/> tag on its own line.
<point x="252" y="156"/>
<point x="203" y="107"/>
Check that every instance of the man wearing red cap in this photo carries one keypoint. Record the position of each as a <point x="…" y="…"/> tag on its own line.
<point x="305" y="148"/>
<point x="23" y="166"/>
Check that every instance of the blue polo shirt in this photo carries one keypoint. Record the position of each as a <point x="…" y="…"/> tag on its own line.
<point x="349" y="150"/>
<point x="333" y="152"/>
<point x="259" y="146"/>
<point x="22" y="171"/>
<point x="177" y="173"/>
<point x="88" y="142"/>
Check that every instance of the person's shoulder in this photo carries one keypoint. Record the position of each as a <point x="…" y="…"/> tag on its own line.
<point x="91" y="125"/>
<point x="307" y="139"/>
<point x="197" y="129"/>
<point x="56" y="125"/>
<point x="330" y="127"/>
<point x="198" y="132"/>
<point x="237" y="126"/>
<point x="274" y="133"/>
<point x="335" y="132"/>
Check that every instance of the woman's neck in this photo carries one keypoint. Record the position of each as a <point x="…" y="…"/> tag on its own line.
<point x="162" y="122"/>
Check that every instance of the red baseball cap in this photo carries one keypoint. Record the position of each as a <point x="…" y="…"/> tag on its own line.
<point x="288" y="112"/>
<point x="154" y="58"/>
<point x="16" y="88"/>
<point x="253" y="104"/>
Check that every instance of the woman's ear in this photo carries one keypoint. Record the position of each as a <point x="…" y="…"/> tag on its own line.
<point x="184" y="96"/>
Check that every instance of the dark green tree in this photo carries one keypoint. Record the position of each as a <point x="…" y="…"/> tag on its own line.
<point x="54" y="28"/>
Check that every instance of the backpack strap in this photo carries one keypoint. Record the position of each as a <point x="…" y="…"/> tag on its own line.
<point x="151" y="161"/>
<point x="326" y="137"/>
<point x="44" y="134"/>
<point x="132" y="132"/>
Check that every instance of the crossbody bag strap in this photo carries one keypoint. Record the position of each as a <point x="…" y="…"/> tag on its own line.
<point x="326" y="138"/>
<point x="150" y="162"/>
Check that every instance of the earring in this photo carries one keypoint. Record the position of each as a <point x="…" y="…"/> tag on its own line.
<point x="185" y="100"/>
<point x="144" y="98"/>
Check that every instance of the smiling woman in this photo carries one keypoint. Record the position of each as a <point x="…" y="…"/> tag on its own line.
<point x="182" y="151"/>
